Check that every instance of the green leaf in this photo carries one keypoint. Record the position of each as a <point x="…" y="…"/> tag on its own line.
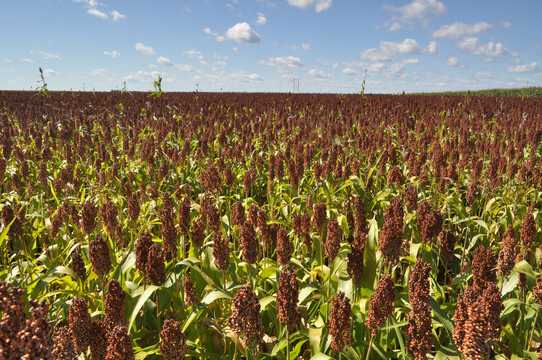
<point x="306" y="291"/>
<point x="369" y="268"/>
<point x="441" y="317"/>
<point x="140" y="302"/>
<point x="321" y="356"/>
<point x="266" y="301"/>
<point x="215" y="295"/>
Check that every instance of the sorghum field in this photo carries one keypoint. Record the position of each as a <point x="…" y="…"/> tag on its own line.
<point x="269" y="226"/>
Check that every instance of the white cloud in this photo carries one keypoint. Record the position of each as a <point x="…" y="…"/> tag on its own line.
<point x="98" y="14"/>
<point x="319" y="74"/>
<point x="143" y="76"/>
<point x="417" y="10"/>
<point x="452" y="61"/>
<point x="47" y="72"/>
<point x="432" y="48"/>
<point x="527" y="68"/>
<point x="484" y="75"/>
<point x="7" y="61"/>
<point x="489" y="50"/>
<point x="167" y="62"/>
<point x="193" y="54"/>
<point x="164" y="61"/>
<point x="147" y="50"/>
<point x="114" y="54"/>
<point x="243" y="34"/>
<point x="184" y="67"/>
<point x="89" y="3"/>
<point x="214" y="34"/>
<point x="226" y="79"/>
<point x="317" y="5"/>
<point x="506" y="24"/>
<point x="387" y="51"/>
<point x="457" y="30"/>
<point x="97" y="72"/>
<point x="48" y="56"/>
<point x="376" y="67"/>
<point x="283" y="64"/>
<point x="261" y="19"/>
<point x="349" y="71"/>
<point x="410" y="61"/>
<point x="117" y="16"/>
<point x="27" y="60"/>
<point x="304" y="46"/>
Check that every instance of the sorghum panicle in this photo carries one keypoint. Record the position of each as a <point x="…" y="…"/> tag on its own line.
<point x="79" y="323"/>
<point x="528" y="232"/>
<point x="63" y="346"/>
<point x="98" y="340"/>
<point x="78" y="266"/>
<point x="221" y="251"/>
<point x="249" y="243"/>
<point x="333" y="240"/>
<point x="114" y="305"/>
<point x="507" y="253"/>
<point x="245" y="318"/>
<point x="287" y="297"/>
<point x="354" y="264"/>
<point x="190" y="295"/>
<point x="340" y="321"/>
<point x="142" y="246"/>
<point x="155" y="267"/>
<point x="198" y="233"/>
<point x="284" y="247"/>
<point x="173" y="346"/>
<point x="98" y="251"/>
<point x="420" y="338"/>
<point x="119" y="345"/>
<point x="381" y="303"/>
<point x="88" y="217"/>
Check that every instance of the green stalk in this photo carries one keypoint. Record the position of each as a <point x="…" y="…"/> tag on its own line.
<point x="530" y="339"/>
<point x="287" y="342"/>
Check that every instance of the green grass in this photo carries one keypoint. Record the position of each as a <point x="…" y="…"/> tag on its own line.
<point x="533" y="91"/>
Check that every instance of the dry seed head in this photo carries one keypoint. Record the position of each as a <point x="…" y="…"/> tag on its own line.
<point x="528" y="231"/>
<point x="249" y="243"/>
<point x="287" y="297"/>
<point x="98" y="251"/>
<point x="155" y="267"/>
<point x="340" y="321"/>
<point x="79" y="323"/>
<point x="284" y="247"/>
<point x="221" y="251"/>
<point x="78" y="266"/>
<point x="88" y="217"/>
<point x="190" y="295"/>
<point x="64" y="348"/>
<point x="198" y="233"/>
<point x="98" y="340"/>
<point x="381" y="303"/>
<point x="245" y="318"/>
<point x="114" y="305"/>
<point x="320" y="216"/>
<point x="333" y="240"/>
<point x="355" y="258"/>
<point x="173" y="346"/>
<point x="142" y="246"/>
<point x="119" y="345"/>
<point x="507" y="253"/>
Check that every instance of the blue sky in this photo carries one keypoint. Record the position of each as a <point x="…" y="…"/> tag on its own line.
<point x="263" y="45"/>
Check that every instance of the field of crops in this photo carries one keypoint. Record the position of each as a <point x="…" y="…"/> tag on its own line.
<point x="269" y="226"/>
